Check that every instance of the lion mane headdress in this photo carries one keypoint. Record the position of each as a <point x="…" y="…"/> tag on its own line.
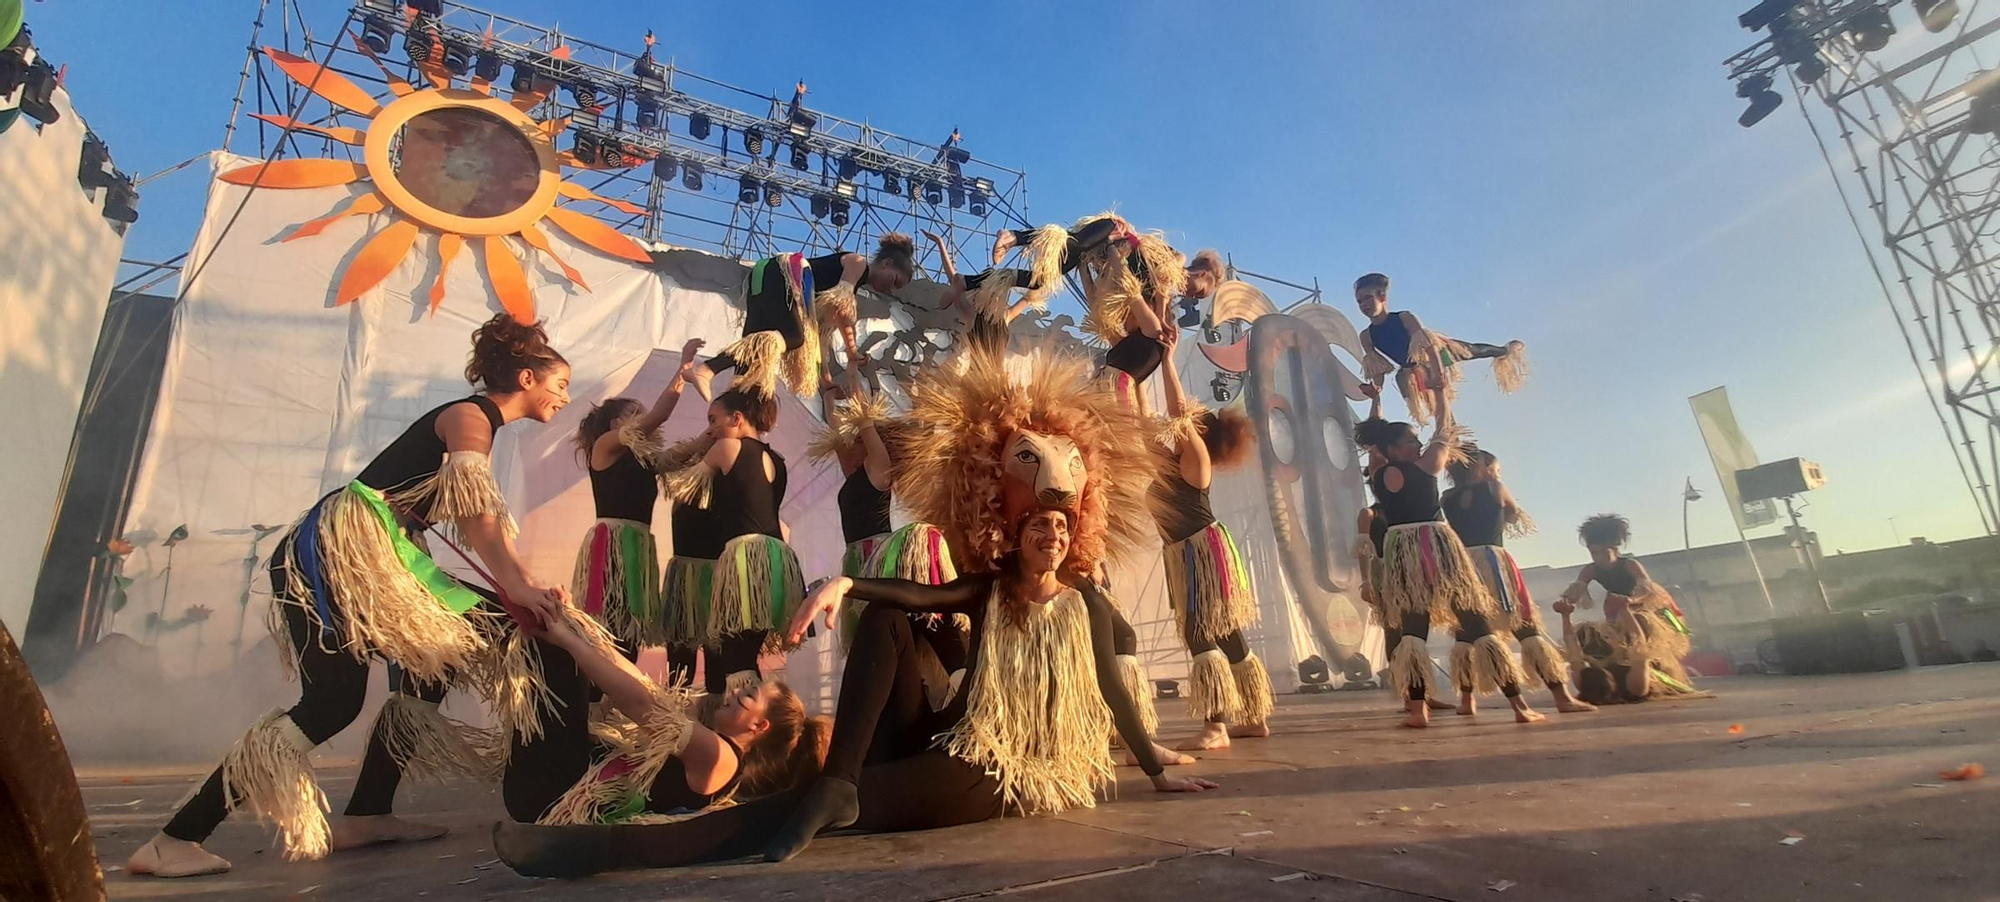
<point x="951" y="473"/>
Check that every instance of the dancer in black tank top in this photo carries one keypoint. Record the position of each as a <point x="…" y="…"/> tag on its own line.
<point x="1483" y="513"/>
<point x="617" y="575"/>
<point x="352" y="581"/>
<point x="1645" y="629"/>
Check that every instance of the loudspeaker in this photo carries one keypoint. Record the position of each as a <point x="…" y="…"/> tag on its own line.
<point x="1776" y="480"/>
<point x="1848" y="642"/>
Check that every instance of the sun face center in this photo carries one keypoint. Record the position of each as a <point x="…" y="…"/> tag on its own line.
<point x="467" y="162"/>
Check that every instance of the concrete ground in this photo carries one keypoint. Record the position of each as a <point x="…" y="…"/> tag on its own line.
<point x="1811" y="788"/>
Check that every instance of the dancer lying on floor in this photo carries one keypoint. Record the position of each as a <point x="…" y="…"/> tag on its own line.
<point x="669" y="754"/>
<point x="1643" y="635"/>
<point x="1425" y="363"/>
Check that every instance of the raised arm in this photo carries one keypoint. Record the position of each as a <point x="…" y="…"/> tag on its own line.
<point x="1196" y="468"/>
<point x="1125" y="712"/>
<point x="1438" y="453"/>
<point x="481" y="515"/>
<point x="670" y="397"/>
<point x="951" y="275"/>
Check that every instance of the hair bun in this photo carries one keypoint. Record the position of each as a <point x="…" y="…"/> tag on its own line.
<point x="895" y="242"/>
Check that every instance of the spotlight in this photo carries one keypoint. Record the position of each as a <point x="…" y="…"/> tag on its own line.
<point x="663" y="168"/>
<point x="800" y="159"/>
<point x="1218" y="388"/>
<point x="753" y="142"/>
<point x="1166" y="689"/>
<point x="587" y="99"/>
<point x="419" y="42"/>
<point x="933" y="193"/>
<point x="840" y="214"/>
<point x="821" y="204"/>
<point x="978" y="203"/>
<point x="1797" y="49"/>
<point x="698" y="126"/>
<point x="121" y="202"/>
<point x="1870" y="29"/>
<point x="428" y="7"/>
<point x="584" y="148"/>
<point x="524" y="78"/>
<point x="1936" y="14"/>
<point x="488" y="67"/>
<point x="1983" y="115"/>
<point x="983" y="185"/>
<point x="844" y="190"/>
<point x="1313" y="671"/>
<point x="648" y="115"/>
<point x="1757" y="90"/>
<point x="957" y="195"/>
<point x="1811" y="70"/>
<point x="93" y="167"/>
<point x="1761" y="16"/>
<point x="773" y="195"/>
<point x="691" y="176"/>
<point x="376" y="34"/>
<point x="891" y="182"/>
<point x="746" y="190"/>
<point x="38" y="92"/>
<point x="849" y="167"/>
<point x="956" y="157"/>
<point x="457" y="58"/>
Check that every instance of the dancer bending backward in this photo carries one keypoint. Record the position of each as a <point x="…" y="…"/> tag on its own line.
<point x="1207" y="585"/>
<point x="791" y="302"/>
<point x="1643" y="635"/>
<point x="1043" y="690"/>
<point x="1126" y="288"/>
<point x="1483" y="513"/>
<point x="1425" y="363"/>
<point x="353" y="581"/>
<point x="617" y="576"/>
<point x="1426" y="575"/>
<point x="669" y="753"/>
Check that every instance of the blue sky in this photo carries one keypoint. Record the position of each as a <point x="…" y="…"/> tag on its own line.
<point x="1565" y="172"/>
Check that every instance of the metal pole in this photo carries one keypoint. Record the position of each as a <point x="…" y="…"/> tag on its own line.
<point x="1798" y="533"/>
<point x="1689" y="495"/>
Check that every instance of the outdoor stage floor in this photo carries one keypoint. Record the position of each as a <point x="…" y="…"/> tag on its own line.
<point x="1648" y="802"/>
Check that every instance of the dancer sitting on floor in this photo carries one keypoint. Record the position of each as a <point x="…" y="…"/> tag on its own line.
<point x="669" y="753"/>
<point x="1208" y="588"/>
<point x="617" y="577"/>
<point x="1002" y="466"/>
<point x="1426" y="575"/>
<point x="1483" y="513"/>
<point x="1425" y="363"/>
<point x="791" y="302"/>
<point x="1645" y="636"/>
<point x="352" y="581"/>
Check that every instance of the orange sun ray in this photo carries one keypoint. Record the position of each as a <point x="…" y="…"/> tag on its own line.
<point x="435" y="73"/>
<point x="540" y="242"/>
<point x="331" y="86"/>
<point x="397" y="85"/>
<point x="597" y="235"/>
<point x="448" y="247"/>
<point x="298" y="174"/>
<point x="553" y="128"/>
<point x="376" y="259"/>
<point x="509" y="282"/>
<point x="365" y="205"/>
<point x="351" y="136"/>
<point x="575" y="191"/>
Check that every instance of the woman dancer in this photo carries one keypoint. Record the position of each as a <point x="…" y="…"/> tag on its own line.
<point x="1207" y="586"/>
<point x="1642" y="624"/>
<point x="1127" y="293"/>
<point x="1483" y="513"/>
<point x="352" y="581"/>
<point x="1043" y="688"/>
<point x="670" y="754"/>
<point x="1425" y="363"/>
<point x="1426" y="575"/>
<point x="617" y="577"/>
<point x="792" y="301"/>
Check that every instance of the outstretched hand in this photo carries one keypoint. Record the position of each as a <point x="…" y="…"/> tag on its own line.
<point x="1164" y="783"/>
<point x="826" y="598"/>
<point x="687" y="354"/>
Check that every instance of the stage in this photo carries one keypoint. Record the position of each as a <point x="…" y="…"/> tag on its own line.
<point x="1657" y="802"/>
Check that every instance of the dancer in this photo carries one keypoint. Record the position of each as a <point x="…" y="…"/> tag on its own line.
<point x="669" y="754"/>
<point x="1426" y="575"/>
<point x="617" y="576"/>
<point x="1002" y="466"/>
<point x="1207" y="585"/>
<point x="1483" y="513"/>
<point x="1425" y="363"/>
<point x="1127" y="293"/>
<point x="352" y="581"/>
<point x="1643" y="626"/>
<point x="791" y="301"/>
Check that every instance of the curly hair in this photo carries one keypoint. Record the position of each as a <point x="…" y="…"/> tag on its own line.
<point x="1605" y="531"/>
<point x="1229" y="437"/>
<point x="949" y="472"/>
<point x="502" y="347"/>
<point x="599" y="421"/>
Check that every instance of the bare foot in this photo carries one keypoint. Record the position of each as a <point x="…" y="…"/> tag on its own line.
<point x="1250" y="731"/>
<point x="354" y="832"/>
<point x="1572" y="706"/>
<point x="1467" y="705"/>
<point x="1167" y="756"/>
<point x="1212" y="736"/>
<point x="165" y="856"/>
<point x="701" y="376"/>
<point x="1525" y="714"/>
<point x="1438" y="704"/>
<point x="1420" y="715"/>
<point x="1003" y="241"/>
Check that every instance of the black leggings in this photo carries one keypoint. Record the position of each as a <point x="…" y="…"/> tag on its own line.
<point x="1473" y="626"/>
<point x="1083" y="240"/>
<point x="1483" y="351"/>
<point x="768" y="310"/>
<point x="333" y="686"/>
<point x="725" y="655"/>
<point x="539" y="772"/>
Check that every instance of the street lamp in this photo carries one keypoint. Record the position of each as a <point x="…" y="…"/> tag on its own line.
<point x="1690" y="495"/>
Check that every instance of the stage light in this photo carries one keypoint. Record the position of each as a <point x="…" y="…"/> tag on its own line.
<point x="38" y="92"/>
<point x="891" y="182"/>
<point x="746" y="190"/>
<point x="691" y="176"/>
<point x="849" y="167"/>
<point x="428" y="7"/>
<point x="93" y="164"/>
<point x="376" y="34"/>
<point x="1797" y="50"/>
<point x="821" y="205"/>
<point x="648" y="115"/>
<point x="587" y="99"/>
<point x="801" y="160"/>
<point x="840" y="213"/>
<point x="457" y="58"/>
<point x="698" y="126"/>
<point x="1982" y="117"/>
<point x="1811" y="70"/>
<point x="645" y="67"/>
<point x="933" y="193"/>
<point x="1757" y="90"/>
<point x="1313" y="671"/>
<point x="419" y="40"/>
<point x="488" y="67"/>
<point x="753" y="142"/>
<point x="121" y="202"/>
<point x="773" y="195"/>
<point x="1870" y="29"/>
<point x="583" y="146"/>
<point x="956" y="157"/>
<point x="983" y="186"/>
<point x="1761" y="16"/>
<point x="664" y="167"/>
<point x="1218" y="388"/>
<point x="1166" y="689"/>
<point x="957" y="195"/>
<point x="1936" y="14"/>
<point x="524" y="78"/>
<point x="976" y="205"/>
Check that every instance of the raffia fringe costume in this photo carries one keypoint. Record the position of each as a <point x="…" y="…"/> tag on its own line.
<point x="762" y="357"/>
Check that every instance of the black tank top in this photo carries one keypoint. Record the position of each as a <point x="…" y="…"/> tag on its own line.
<point x="624" y="490"/>
<point x="694" y="533"/>
<point x="1181" y="509"/>
<point x="1378" y="527"/>
<point x="419" y="453"/>
<point x="1416" y="503"/>
<point x="1475" y="513"/>
<point x="1392" y="337"/>
<point x="1617" y="578"/>
<point x="670" y="791"/>
<point x="864" y="509"/>
<point x="743" y="502"/>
